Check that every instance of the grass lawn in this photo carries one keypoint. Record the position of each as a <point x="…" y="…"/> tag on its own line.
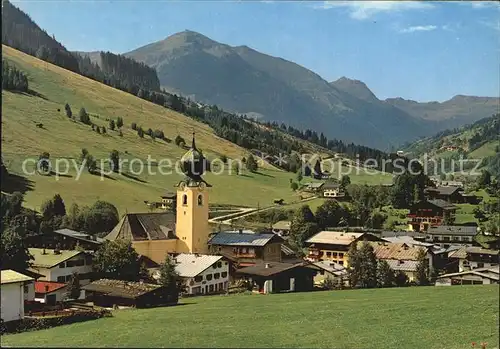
<point x="465" y="213"/>
<point x="487" y="149"/>
<point x="417" y="317"/>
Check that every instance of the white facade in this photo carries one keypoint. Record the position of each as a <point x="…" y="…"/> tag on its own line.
<point x="58" y="296"/>
<point x="333" y="193"/>
<point x="29" y="291"/>
<point x="464" y="265"/>
<point x="81" y="264"/>
<point x="214" y="279"/>
<point x="12" y="301"/>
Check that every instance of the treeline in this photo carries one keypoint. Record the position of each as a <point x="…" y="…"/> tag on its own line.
<point x="20" y="32"/>
<point x="136" y="78"/>
<point x="489" y="131"/>
<point x="13" y="79"/>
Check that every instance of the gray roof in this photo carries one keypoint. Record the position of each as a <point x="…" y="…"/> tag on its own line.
<point x="243" y="238"/>
<point x="331" y="267"/>
<point x="458" y="230"/>
<point x="331" y="185"/>
<point x="443" y="204"/>
<point x="190" y="265"/>
<point x="315" y="185"/>
<point x="409" y="240"/>
<point x="488" y="272"/>
<point x="443" y="190"/>
<point x="144" y="226"/>
<point x="403" y="265"/>
<point x="79" y="235"/>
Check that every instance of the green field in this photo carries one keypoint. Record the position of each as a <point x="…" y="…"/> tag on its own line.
<point x="417" y="317"/>
<point x="64" y="138"/>
<point x="487" y="149"/>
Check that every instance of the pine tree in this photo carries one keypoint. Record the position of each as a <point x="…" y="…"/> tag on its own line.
<point x="112" y="124"/>
<point x="67" y="108"/>
<point x="251" y="164"/>
<point x="422" y="271"/>
<point x="73" y="290"/>
<point x="169" y="278"/>
<point x="385" y="275"/>
<point x="115" y="160"/>
<point x="119" y="122"/>
<point x="368" y="274"/>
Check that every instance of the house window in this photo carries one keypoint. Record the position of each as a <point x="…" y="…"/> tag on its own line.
<point x="214" y="266"/>
<point x="88" y="260"/>
<point x="26" y="290"/>
<point x="62" y="265"/>
<point x="341" y="255"/>
<point x="328" y="254"/>
<point x="334" y="254"/>
<point x="61" y="279"/>
<point x="216" y="275"/>
<point x="224" y="274"/>
<point x="211" y="288"/>
<point x="198" y="278"/>
<point x="341" y="262"/>
<point x="208" y="277"/>
<point x="200" y="200"/>
<point x="219" y="265"/>
<point x="480" y="264"/>
<point x="184" y="199"/>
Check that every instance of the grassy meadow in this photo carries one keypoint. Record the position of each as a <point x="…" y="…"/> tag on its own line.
<point x="417" y="317"/>
<point x="52" y="87"/>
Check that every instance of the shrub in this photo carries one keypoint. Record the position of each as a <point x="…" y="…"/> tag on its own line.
<point x="179" y="140"/>
<point x="134" y="126"/>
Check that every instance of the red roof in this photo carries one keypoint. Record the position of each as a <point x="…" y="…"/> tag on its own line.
<point x="47" y="286"/>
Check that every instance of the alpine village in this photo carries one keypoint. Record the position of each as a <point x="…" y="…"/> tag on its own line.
<point x="298" y="243"/>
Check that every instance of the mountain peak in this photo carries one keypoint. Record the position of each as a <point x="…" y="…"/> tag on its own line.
<point x="354" y="87"/>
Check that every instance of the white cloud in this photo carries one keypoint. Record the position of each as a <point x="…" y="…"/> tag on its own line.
<point x="482" y="4"/>
<point x="362" y="10"/>
<point x="418" y="28"/>
<point x="492" y="24"/>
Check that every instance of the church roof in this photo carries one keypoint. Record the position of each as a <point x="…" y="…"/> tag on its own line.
<point x="144" y="226"/>
<point x="193" y="163"/>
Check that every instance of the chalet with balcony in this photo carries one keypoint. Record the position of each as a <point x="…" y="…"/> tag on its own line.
<point x="469" y="258"/>
<point x="447" y="235"/>
<point x="59" y="265"/>
<point x="333" y="191"/>
<point x="168" y="201"/>
<point x="479" y="276"/>
<point x="247" y="247"/>
<point x="447" y="193"/>
<point x="333" y="245"/>
<point x="430" y="213"/>
<point x="64" y="239"/>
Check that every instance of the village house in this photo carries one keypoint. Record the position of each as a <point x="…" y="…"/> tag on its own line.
<point x="479" y="276"/>
<point x="429" y="213"/>
<point x="447" y="235"/>
<point x="201" y="274"/>
<point x="401" y="256"/>
<point x="448" y="193"/>
<point x="154" y="235"/>
<point x="59" y="265"/>
<point x="469" y="258"/>
<point x="247" y="247"/>
<point x="273" y="277"/>
<point x="108" y="293"/>
<point x="168" y="201"/>
<point x="334" y="245"/>
<point x="330" y="270"/>
<point x="49" y="292"/>
<point x="333" y="191"/>
<point x="313" y="187"/>
<point x="64" y="239"/>
<point x="282" y="228"/>
<point x="15" y="291"/>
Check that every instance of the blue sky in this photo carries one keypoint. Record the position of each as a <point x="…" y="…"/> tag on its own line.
<point x="415" y="50"/>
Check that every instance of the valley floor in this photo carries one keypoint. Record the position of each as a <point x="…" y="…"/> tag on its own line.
<point x="416" y="317"/>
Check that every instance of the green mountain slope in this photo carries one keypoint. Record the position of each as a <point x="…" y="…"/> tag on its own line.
<point x="64" y="138"/>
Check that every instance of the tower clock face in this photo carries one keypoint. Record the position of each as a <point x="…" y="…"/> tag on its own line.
<point x="202" y="186"/>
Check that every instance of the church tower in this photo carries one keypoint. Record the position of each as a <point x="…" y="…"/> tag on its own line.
<point x="192" y="227"/>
